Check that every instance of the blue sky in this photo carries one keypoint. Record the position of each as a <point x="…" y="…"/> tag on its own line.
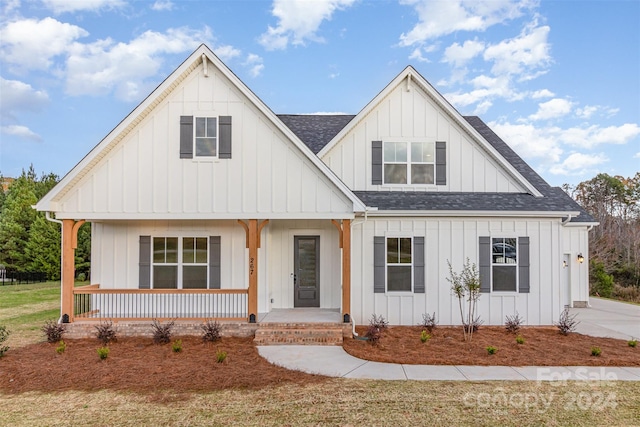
<point x="558" y="80"/>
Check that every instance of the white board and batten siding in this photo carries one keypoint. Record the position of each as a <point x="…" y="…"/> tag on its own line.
<point x="143" y="176"/>
<point x="413" y="116"/>
<point x="454" y="240"/>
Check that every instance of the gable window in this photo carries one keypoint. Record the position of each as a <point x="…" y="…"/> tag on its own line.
<point x="409" y="162"/>
<point x="399" y="264"/>
<point x="180" y="263"/>
<point x="504" y="264"/>
<point x="206" y="137"/>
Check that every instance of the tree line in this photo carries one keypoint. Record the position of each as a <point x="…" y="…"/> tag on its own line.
<point x="28" y="241"/>
<point x="614" y="245"/>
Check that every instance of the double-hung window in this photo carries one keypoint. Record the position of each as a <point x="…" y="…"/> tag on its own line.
<point x="180" y="263"/>
<point x="399" y="264"/>
<point x="409" y="162"/>
<point x="504" y="264"/>
<point x="206" y="137"/>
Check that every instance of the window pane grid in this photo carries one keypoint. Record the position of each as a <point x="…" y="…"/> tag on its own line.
<point x="206" y="136"/>
<point x="180" y="262"/>
<point x="409" y="163"/>
<point x="504" y="261"/>
<point x="399" y="265"/>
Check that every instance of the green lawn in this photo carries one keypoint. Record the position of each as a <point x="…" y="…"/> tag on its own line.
<point x="25" y="308"/>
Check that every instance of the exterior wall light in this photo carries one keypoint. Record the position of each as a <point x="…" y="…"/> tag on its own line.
<point x="564" y="264"/>
<point x="580" y="258"/>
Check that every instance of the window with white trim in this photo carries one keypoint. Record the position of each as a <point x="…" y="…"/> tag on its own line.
<point x="409" y="162"/>
<point x="206" y="137"/>
<point x="180" y="263"/>
<point x="504" y="264"/>
<point x="399" y="264"/>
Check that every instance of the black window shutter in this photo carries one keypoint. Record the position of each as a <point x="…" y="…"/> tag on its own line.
<point x="225" y="137"/>
<point x="214" y="262"/>
<point x="186" y="137"/>
<point x="523" y="264"/>
<point x="485" y="263"/>
<point x="441" y="163"/>
<point x="144" y="275"/>
<point x="418" y="265"/>
<point x="376" y="162"/>
<point x="379" y="249"/>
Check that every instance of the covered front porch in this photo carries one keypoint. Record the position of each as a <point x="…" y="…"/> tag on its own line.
<point x="270" y="267"/>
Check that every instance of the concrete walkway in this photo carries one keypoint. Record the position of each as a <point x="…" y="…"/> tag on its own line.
<point x="603" y="319"/>
<point x="333" y="361"/>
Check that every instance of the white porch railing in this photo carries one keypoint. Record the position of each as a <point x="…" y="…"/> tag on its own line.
<point x="91" y="302"/>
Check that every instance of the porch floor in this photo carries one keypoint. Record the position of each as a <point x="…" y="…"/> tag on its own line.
<point x="301" y="315"/>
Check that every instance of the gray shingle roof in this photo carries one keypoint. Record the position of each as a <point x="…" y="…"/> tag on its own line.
<point x="317" y="130"/>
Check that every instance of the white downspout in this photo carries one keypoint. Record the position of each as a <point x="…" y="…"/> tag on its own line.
<point x="564" y="222"/>
<point x="47" y="215"/>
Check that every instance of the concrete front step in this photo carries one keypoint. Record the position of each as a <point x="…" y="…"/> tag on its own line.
<point x="301" y="334"/>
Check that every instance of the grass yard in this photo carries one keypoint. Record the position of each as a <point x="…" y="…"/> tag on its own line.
<point x="339" y="402"/>
<point x="25" y="308"/>
<point x="297" y="401"/>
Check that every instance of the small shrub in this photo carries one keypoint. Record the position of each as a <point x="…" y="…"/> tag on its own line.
<point x="4" y="334"/>
<point x="595" y="351"/>
<point x="519" y="340"/>
<point x="221" y="356"/>
<point x="62" y="346"/>
<point x="491" y="350"/>
<point x="424" y="336"/>
<point x="177" y="346"/>
<point x="373" y="334"/>
<point x="429" y="321"/>
<point x="211" y="331"/>
<point x="567" y="323"/>
<point x="632" y="343"/>
<point x="82" y="277"/>
<point x="378" y="322"/>
<point x="475" y="326"/>
<point x="53" y="331"/>
<point x="105" y="332"/>
<point x="103" y="353"/>
<point x="162" y="333"/>
<point x="513" y="323"/>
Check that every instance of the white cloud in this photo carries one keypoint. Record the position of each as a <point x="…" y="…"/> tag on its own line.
<point x="543" y="93"/>
<point x="20" y="131"/>
<point x="529" y="141"/>
<point x="254" y="62"/>
<point x="103" y="66"/>
<point x="417" y="55"/>
<point x="637" y="155"/>
<point x="162" y="5"/>
<point x="459" y="55"/>
<point x="299" y="21"/>
<point x="19" y="96"/>
<point x="439" y="18"/>
<point x="525" y="56"/>
<point x="62" y="6"/>
<point x="226" y="52"/>
<point x="578" y="164"/>
<point x="588" y="137"/>
<point x="32" y="44"/>
<point x="552" y="109"/>
<point x="485" y="89"/>
<point x="10" y="6"/>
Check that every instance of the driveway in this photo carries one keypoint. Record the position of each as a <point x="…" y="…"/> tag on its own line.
<point x="607" y="318"/>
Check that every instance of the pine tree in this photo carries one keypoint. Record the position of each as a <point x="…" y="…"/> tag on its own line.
<point x="43" y="247"/>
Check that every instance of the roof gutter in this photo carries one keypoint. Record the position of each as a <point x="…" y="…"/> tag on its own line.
<point x="442" y="213"/>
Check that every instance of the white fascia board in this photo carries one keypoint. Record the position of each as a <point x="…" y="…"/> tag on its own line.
<point x="581" y="224"/>
<point x="145" y="107"/>
<point x="410" y="72"/>
<point x="96" y="217"/>
<point x="495" y="214"/>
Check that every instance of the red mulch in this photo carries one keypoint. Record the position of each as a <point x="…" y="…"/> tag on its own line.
<point x="138" y="365"/>
<point x="544" y="346"/>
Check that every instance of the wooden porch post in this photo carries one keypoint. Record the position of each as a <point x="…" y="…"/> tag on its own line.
<point x="344" y="240"/>
<point x="253" y="230"/>
<point x="69" y="245"/>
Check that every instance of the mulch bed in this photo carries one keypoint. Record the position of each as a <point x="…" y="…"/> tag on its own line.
<point x="138" y="365"/>
<point x="544" y="346"/>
